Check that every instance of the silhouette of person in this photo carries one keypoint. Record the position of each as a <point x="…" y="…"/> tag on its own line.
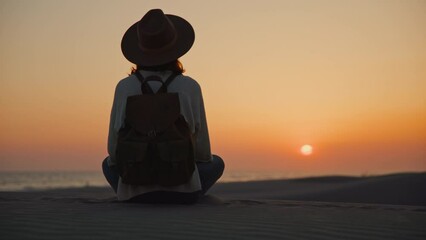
<point x="154" y="44"/>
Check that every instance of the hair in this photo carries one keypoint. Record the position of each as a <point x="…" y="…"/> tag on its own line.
<point x="174" y="66"/>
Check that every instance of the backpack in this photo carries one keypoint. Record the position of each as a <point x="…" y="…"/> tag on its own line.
<point x="156" y="145"/>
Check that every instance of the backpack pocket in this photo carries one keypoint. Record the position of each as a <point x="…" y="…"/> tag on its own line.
<point x="176" y="163"/>
<point x="174" y="151"/>
<point x="135" y="167"/>
<point x="131" y="152"/>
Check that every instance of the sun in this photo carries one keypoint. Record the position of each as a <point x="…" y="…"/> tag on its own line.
<point x="306" y="149"/>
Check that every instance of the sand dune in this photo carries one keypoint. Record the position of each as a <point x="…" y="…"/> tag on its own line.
<point x="401" y="189"/>
<point x="310" y="208"/>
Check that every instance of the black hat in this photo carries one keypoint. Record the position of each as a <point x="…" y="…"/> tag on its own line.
<point x="157" y="39"/>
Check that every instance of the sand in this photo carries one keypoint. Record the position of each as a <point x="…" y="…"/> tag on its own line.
<point x="383" y="207"/>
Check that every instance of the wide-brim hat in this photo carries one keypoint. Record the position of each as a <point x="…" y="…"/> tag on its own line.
<point x="157" y="39"/>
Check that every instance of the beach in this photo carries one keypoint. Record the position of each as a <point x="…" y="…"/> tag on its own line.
<point x="334" y="207"/>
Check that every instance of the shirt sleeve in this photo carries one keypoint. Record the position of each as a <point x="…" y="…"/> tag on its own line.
<point x="202" y="140"/>
<point x="114" y="125"/>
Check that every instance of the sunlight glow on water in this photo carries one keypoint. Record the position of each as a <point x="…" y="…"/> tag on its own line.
<point x="27" y="181"/>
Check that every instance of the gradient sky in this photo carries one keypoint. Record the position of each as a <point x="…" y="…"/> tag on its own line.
<point x="347" y="77"/>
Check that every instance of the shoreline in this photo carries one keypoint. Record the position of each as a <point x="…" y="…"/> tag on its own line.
<point x="396" y="189"/>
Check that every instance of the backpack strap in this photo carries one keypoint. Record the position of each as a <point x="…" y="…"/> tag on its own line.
<point x="146" y="89"/>
<point x="163" y="88"/>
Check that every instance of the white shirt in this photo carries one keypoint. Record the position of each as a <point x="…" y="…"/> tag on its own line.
<point x="192" y="108"/>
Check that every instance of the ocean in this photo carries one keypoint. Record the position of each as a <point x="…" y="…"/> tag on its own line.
<point x="34" y="181"/>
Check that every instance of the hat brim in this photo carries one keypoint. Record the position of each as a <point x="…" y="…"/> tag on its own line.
<point x="184" y="42"/>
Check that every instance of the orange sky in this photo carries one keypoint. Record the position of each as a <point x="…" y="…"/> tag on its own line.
<point x="347" y="77"/>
